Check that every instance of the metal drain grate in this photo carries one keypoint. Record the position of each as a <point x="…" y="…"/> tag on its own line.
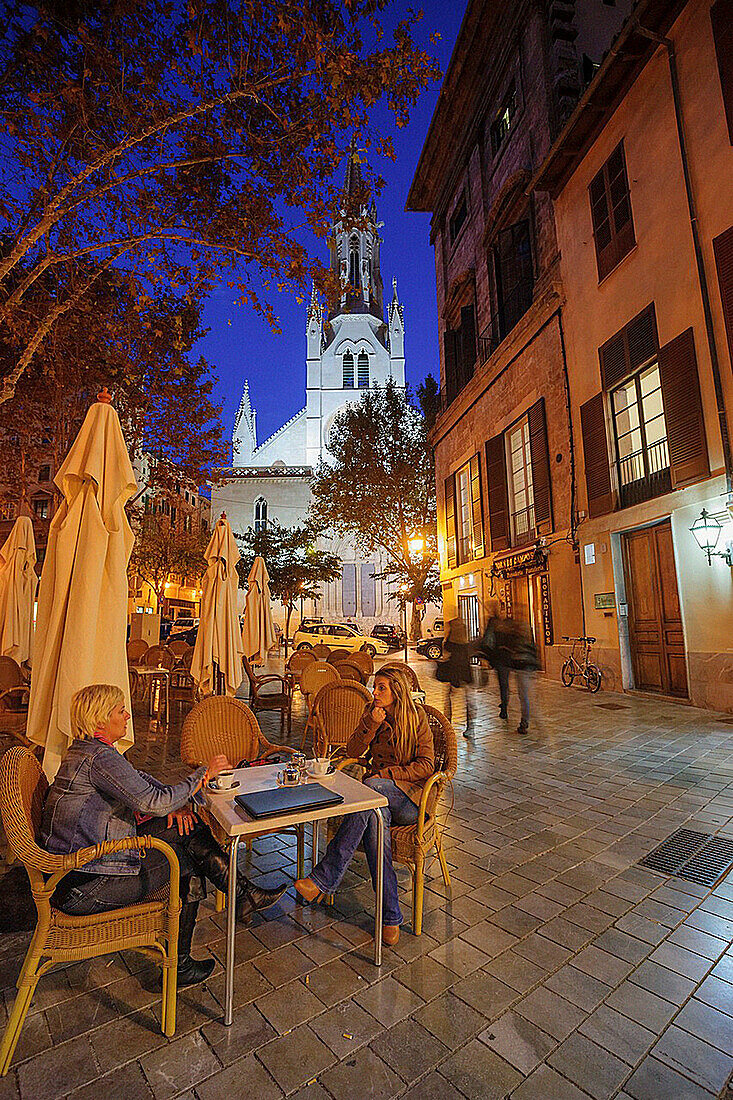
<point x="612" y="706"/>
<point x="697" y="857"/>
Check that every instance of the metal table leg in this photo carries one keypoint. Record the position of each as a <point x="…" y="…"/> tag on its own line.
<point x="231" y="926"/>
<point x="380" y="890"/>
<point x="315" y="843"/>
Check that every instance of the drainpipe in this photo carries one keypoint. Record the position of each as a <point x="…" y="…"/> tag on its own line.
<point x="702" y="275"/>
<point x="573" y="487"/>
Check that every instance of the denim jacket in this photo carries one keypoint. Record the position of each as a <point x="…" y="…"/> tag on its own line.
<point x="94" y="798"/>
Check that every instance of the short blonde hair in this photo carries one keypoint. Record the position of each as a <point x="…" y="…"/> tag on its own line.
<point x="91" y="707"/>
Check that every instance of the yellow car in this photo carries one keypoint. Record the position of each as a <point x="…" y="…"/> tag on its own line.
<point x="338" y="636"/>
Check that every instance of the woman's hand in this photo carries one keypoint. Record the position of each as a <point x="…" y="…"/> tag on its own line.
<point x="216" y="765"/>
<point x="379" y="714"/>
<point x="185" y="820"/>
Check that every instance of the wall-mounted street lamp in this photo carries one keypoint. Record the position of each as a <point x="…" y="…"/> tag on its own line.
<point x="416" y="546"/>
<point x="404" y="589"/>
<point x="706" y="530"/>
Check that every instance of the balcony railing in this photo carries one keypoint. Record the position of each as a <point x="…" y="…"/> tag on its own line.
<point x="641" y="482"/>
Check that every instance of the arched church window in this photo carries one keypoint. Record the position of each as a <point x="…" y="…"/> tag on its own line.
<point x="354" y="265"/>
<point x="348" y="371"/>
<point x="260" y="514"/>
<point x="363" y="370"/>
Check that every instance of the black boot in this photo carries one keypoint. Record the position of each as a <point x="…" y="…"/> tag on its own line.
<point x="211" y="861"/>
<point x="190" y="972"/>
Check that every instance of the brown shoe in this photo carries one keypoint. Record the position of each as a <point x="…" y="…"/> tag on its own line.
<point x="308" y="890"/>
<point x="391" y="934"/>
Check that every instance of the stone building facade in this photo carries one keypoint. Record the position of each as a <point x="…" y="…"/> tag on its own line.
<point x="504" y="441"/>
<point x="642" y="183"/>
<point x="348" y="349"/>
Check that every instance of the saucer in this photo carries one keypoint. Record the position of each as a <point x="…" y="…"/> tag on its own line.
<point x="212" y="785"/>
<point x="319" y="775"/>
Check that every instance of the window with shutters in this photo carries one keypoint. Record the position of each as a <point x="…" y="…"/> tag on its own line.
<point x="458" y="218"/>
<point x="610" y="207"/>
<point x="348" y="371"/>
<point x="464" y="511"/>
<point x="260" y="514"/>
<point x="460" y="351"/>
<point x="501" y="125"/>
<point x="463" y="514"/>
<point x="640" y="429"/>
<point x="721" y="18"/>
<point x="362" y="365"/>
<point x="513" y="276"/>
<point x="520" y="483"/>
<point x="41" y="507"/>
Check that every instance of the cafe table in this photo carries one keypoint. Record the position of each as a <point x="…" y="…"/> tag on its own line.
<point x="238" y="825"/>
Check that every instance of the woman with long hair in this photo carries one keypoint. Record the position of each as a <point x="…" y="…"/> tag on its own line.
<point x="394" y="736"/>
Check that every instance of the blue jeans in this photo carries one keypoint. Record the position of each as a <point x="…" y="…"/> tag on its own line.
<point x="327" y="874"/>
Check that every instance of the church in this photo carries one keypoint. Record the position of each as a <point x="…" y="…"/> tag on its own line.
<point x="348" y="350"/>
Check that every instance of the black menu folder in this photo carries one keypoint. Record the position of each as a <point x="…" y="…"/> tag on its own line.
<point x="285" y="800"/>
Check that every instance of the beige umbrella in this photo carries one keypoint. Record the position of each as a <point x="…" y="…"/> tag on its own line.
<point x="81" y="628"/>
<point x="258" y="629"/>
<point x="18" y="582"/>
<point x="218" y="638"/>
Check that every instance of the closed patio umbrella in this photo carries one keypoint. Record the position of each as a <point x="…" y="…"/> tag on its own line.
<point x="258" y="629"/>
<point x="218" y="639"/>
<point x="81" y="627"/>
<point x="18" y="582"/>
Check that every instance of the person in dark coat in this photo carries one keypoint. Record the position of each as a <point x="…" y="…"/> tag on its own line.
<point x="496" y="645"/>
<point x="524" y="661"/>
<point x="455" y="670"/>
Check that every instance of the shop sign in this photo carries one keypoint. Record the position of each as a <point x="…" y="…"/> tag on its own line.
<point x="524" y="561"/>
<point x="604" y="601"/>
<point x="546" y="608"/>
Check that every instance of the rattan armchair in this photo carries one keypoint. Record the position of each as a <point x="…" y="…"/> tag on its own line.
<point x="337" y="655"/>
<point x="412" y="843"/>
<point x="179" y="647"/>
<point x="270" y="700"/>
<point x="312" y="679"/>
<point x="337" y="709"/>
<point x="363" y="661"/>
<point x="151" y="925"/>
<point x="296" y="663"/>
<point x="347" y="670"/>
<point x="407" y="671"/>
<point x="136" y="650"/>
<point x="226" y="726"/>
<point x="14" y="696"/>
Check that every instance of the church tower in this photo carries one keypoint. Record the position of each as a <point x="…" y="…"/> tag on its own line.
<point x="244" y="439"/>
<point x="352" y="348"/>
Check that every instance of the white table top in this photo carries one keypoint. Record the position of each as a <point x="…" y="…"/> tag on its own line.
<point x="235" y="821"/>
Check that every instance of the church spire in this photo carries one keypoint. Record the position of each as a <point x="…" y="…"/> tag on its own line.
<point x="244" y="438"/>
<point x="355" y="244"/>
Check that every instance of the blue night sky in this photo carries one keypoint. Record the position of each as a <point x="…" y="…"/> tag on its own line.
<point x="275" y="363"/>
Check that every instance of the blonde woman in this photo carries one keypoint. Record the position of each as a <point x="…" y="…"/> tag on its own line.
<point x="393" y="733"/>
<point x="98" y="795"/>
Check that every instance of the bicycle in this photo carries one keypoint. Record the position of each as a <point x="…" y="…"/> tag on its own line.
<point x="583" y="668"/>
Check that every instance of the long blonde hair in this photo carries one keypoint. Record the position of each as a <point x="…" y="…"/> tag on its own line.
<point x="406" y="717"/>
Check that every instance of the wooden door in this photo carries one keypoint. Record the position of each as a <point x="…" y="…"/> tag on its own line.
<point x="655" y="623"/>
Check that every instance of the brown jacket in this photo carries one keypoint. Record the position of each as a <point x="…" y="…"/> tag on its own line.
<point x="376" y="742"/>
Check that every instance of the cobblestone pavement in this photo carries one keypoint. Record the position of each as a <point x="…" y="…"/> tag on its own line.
<point x="554" y="969"/>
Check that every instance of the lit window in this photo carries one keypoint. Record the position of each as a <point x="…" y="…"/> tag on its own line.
<point x="502" y="123"/>
<point x="348" y="371"/>
<point x="260" y="514"/>
<point x="44" y="474"/>
<point x="463" y="514"/>
<point x="363" y="370"/>
<point x="40" y="508"/>
<point x="521" y="493"/>
<point x="641" y="430"/>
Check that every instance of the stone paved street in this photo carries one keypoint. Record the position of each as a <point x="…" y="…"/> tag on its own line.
<point x="554" y="969"/>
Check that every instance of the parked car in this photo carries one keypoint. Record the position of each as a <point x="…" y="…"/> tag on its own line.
<point x="389" y="633"/>
<point x="436" y="629"/>
<point x="430" y="647"/>
<point x="182" y="625"/>
<point x="338" y="636"/>
<point x="166" y="626"/>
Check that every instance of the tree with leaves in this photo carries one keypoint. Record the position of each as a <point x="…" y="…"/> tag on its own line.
<point x="181" y="143"/>
<point x="297" y="567"/>
<point x="163" y="550"/>
<point x="379" y="489"/>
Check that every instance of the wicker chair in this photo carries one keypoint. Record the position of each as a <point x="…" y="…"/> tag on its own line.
<point x="274" y="700"/>
<point x="321" y="651"/>
<point x="347" y="670"/>
<point x="151" y="925"/>
<point x="14" y="696"/>
<point x="407" y="671"/>
<point x="312" y="679"/>
<point x="179" y="647"/>
<point x="296" y="663"/>
<point x="336" y="655"/>
<point x="363" y="661"/>
<point x="337" y="709"/>
<point x="412" y="843"/>
<point x="222" y="725"/>
<point x="136" y="650"/>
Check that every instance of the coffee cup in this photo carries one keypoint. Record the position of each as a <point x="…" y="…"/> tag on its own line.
<point x="320" y="765"/>
<point x="225" y="780"/>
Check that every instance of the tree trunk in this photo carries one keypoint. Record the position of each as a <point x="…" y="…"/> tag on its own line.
<point x="415" y="624"/>
<point x="288" y="613"/>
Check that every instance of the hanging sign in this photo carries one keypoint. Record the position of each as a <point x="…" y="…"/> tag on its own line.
<point x="546" y="607"/>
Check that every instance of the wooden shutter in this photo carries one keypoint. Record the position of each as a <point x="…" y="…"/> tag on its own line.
<point x="540" y="463"/>
<point x="450" y="521"/>
<point x="595" y="454"/>
<point x="634" y="344"/>
<point x="477" y="515"/>
<point x="721" y="16"/>
<point x="498" y="495"/>
<point x="610" y="205"/>
<point x="688" y="452"/>
<point x="449" y="347"/>
<point x="723" y="248"/>
<point x="468" y="342"/>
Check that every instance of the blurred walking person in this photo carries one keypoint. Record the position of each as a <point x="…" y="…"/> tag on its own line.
<point x="524" y="661"/>
<point x="455" y="671"/>
<point x="496" y="647"/>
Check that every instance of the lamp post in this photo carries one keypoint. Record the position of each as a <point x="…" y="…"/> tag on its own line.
<point x="404" y="589"/>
